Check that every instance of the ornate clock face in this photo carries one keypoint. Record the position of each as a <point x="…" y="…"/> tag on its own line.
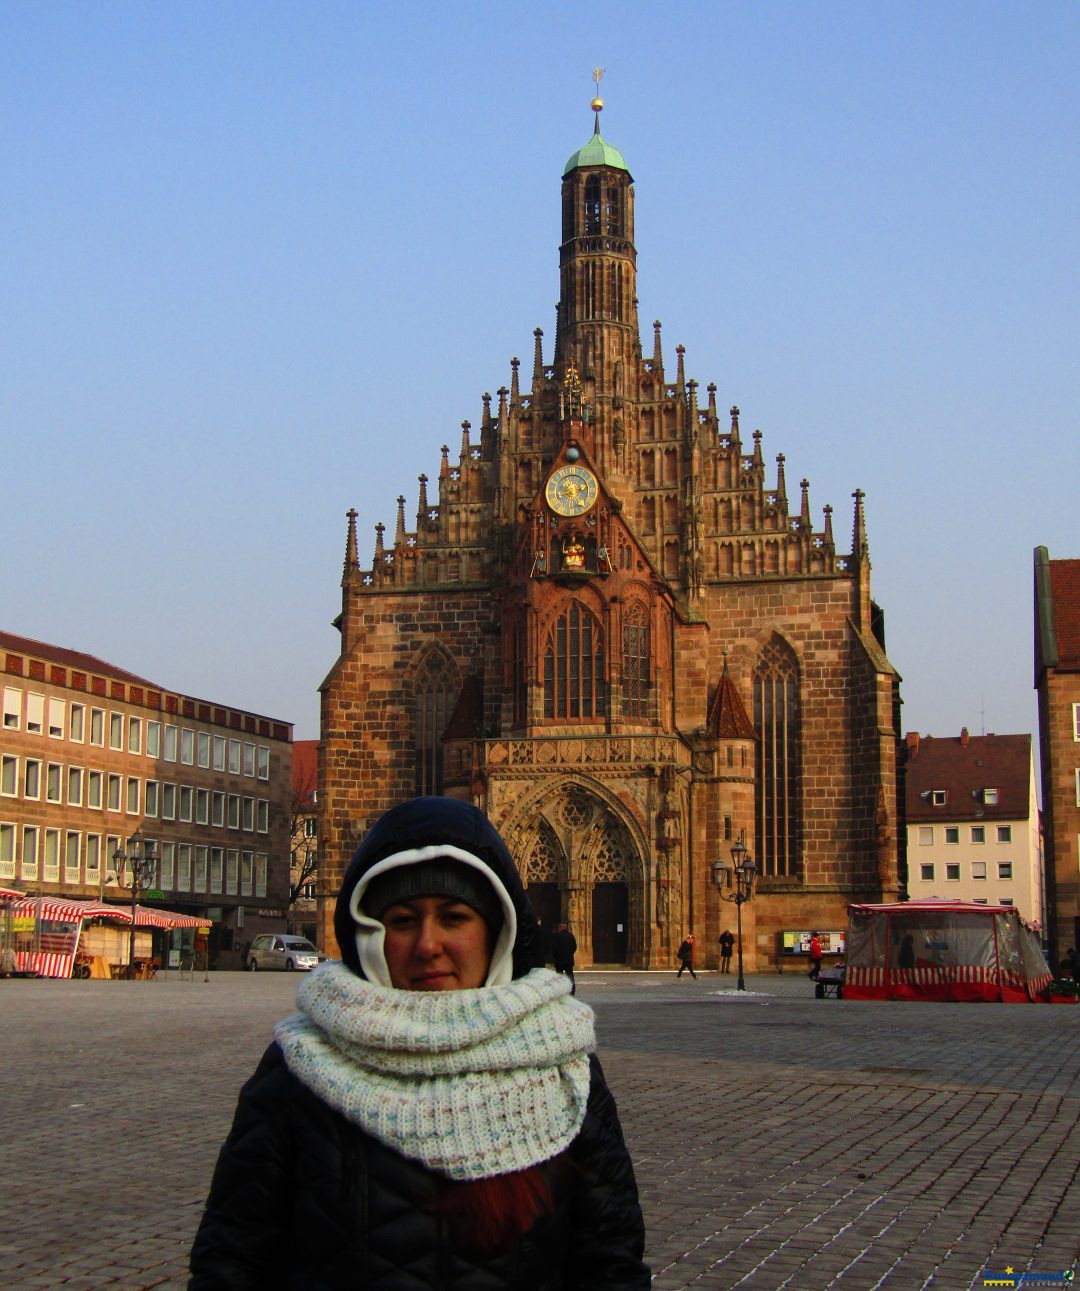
<point x="571" y="490"/>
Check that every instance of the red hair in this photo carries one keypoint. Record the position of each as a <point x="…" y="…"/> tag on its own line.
<point x="492" y="1214"/>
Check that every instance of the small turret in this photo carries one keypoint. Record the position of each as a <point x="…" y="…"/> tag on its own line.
<point x="538" y="360"/>
<point x="351" y="569"/>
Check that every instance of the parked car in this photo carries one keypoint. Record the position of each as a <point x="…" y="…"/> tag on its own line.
<point x="277" y="950"/>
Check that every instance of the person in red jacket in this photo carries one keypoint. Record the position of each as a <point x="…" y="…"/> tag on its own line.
<point x="815" y="957"/>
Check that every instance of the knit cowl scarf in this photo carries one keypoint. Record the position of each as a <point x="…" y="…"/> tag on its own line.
<point x="469" y="1083"/>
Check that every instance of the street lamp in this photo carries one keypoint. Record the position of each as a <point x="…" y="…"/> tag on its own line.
<point x="136" y="868"/>
<point x="735" y="882"/>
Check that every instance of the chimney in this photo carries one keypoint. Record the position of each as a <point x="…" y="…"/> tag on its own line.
<point x="964" y="737"/>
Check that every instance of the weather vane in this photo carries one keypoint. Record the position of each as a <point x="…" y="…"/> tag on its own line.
<point x="598" y="102"/>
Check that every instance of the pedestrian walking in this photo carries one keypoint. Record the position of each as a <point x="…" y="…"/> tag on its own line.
<point x="563" y="950"/>
<point x="815" y="957"/>
<point x="370" y="1147"/>
<point x="727" y="944"/>
<point x="685" y="955"/>
<point x="543" y="946"/>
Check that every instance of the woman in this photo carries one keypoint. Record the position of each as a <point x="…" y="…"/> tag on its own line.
<point x="434" y="1116"/>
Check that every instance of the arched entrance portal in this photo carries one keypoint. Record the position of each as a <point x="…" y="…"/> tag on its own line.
<point x="580" y="864"/>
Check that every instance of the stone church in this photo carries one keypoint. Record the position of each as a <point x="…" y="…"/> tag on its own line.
<point x="607" y="625"/>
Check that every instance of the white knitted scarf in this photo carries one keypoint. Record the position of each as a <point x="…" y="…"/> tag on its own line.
<point x="470" y="1083"/>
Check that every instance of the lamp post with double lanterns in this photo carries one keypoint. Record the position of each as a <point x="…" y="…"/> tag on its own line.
<point x="136" y="868"/>
<point x="735" y="882"/>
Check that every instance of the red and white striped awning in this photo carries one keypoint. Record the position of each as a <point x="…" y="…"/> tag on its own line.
<point x="74" y="910"/>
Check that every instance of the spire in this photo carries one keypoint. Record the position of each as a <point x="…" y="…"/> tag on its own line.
<point x="485" y="418"/>
<point x="515" y="388"/>
<point x="466" y="449"/>
<point x="781" y="481"/>
<point x="399" y="532"/>
<point x="828" y="527"/>
<point x="758" y="459"/>
<point x="444" y="465"/>
<point x="538" y="359"/>
<point x="657" y="352"/>
<point x="859" y="547"/>
<point x="680" y="373"/>
<point x="352" y="558"/>
<point x="380" y="550"/>
<point x="804" y="508"/>
<point x="736" y="441"/>
<point x="712" y="402"/>
<point x="422" y="505"/>
<point x="502" y="392"/>
<point x="693" y="403"/>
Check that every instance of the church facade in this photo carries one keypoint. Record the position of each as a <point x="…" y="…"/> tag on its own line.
<point x="609" y="627"/>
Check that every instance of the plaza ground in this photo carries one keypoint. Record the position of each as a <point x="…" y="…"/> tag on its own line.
<point x="780" y="1141"/>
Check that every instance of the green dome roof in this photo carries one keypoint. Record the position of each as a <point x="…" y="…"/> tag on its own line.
<point x="597" y="152"/>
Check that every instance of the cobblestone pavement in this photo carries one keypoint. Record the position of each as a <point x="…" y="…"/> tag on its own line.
<point x="780" y="1141"/>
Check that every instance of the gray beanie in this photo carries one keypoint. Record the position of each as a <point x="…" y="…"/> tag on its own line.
<point x="437" y="878"/>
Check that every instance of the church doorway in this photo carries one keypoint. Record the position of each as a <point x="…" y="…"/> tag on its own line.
<point x="546" y="902"/>
<point x="610" y="919"/>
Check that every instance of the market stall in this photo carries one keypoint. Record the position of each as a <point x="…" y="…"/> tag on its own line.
<point x="942" y="950"/>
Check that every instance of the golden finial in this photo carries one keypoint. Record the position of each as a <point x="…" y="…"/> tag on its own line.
<point x="598" y="102"/>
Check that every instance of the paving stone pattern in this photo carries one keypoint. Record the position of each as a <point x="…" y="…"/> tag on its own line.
<point x="780" y="1141"/>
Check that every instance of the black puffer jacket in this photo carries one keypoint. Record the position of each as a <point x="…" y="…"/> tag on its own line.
<point x="303" y="1198"/>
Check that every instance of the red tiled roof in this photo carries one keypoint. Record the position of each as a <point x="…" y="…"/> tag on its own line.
<point x="1065" y="585"/>
<point x="9" y="642"/>
<point x="727" y="717"/>
<point x="305" y="769"/>
<point x="964" y="767"/>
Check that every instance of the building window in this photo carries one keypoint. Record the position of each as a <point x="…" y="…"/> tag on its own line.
<point x="990" y="797"/>
<point x="778" y="724"/>
<point x="217" y="865"/>
<point x="93" y="789"/>
<point x="261" y="865"/>
<point x="939" y="797"/>
<point x="93" y="858"/>
<point x="234" y="811"/>
<point x="168" y="801"/>
<point x="167" y="875"/>
<point x="56" y="719"/>
<point x="202" y="806"/>
<point x="264" y="762"/>
<point x="232" y="867"/>
<point x="51" y="867"/>
<point x="12" y="708"/>
<point x="1076" y="721"/>
<point x="978" y="833"/>
<point x="97" y="727"/>
<point x="187" y="747"/>
<point x="234" y="757"/>
<point x="115" y="787"/>
<point x="35" y="713"/>
<point x="133" y="796"/>
<point x="246" y="867"/>
<point x="30" y="852"/>
<point x="153" y="739"/>
<point x="202" y="750"/>
<point x="1005" y="869"/>
<point x="7" y="851"/>
<point x="249" y="814"/>
<point x="183" y="867"/>
<point x="217" y="804"/>
<point x="186" y="802"/>
<point x="134" y="734"/>
<point x="151" y="797"/>
<point x="433" y="697"/>
<point x="574" y="682"/>
<point x="262" y="823"/>
<point x="32" y="778"/>
<point x="311" y="827"/>
<point x="170" y="743"/>
<point x="72" y="843"/>
<point x="116" y="730"/>
<point x="52" y="782"/>
<point x="201" y="866"/>
<point x="74" y="786"/>
<point x="926" y="835"/>
<point x="9" y="776"/>
<point x="952" y="871"/>
<point x="249" y="760"/>
<point x="219" y="752"/>
<point x="1005" y="901"/>
<point x="1004" y="833"/>
<point x="952" y="834"/>
<point x="926" y="873"/>
<point x="76" y="723"/>
<point x="635" y="662"/>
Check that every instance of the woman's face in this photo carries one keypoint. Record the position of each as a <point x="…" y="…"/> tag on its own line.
<point x="435" y="944"/>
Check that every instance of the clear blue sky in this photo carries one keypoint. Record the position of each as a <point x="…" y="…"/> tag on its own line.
<point x="261" y="259"/>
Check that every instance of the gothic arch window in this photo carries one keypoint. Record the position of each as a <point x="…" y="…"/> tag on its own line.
<point x="592" y="204"/>
<point x="635" y="661"/>
<point x="575" y="688"/>
<point x="778" y="724"/>
<point x="542" y="860"/>
<point x="434" y="693"/>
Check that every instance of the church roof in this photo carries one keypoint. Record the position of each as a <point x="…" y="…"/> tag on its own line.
<point x="727" y="717"/>
<point x="597" y="152"/>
